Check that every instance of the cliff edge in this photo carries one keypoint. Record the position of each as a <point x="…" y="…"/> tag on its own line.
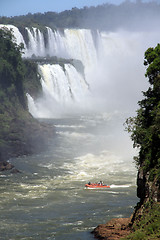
<point x="145" y="134"/>
<point x="20" y="133"/>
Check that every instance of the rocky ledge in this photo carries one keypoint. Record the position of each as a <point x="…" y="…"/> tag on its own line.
<point x="114" y="229"/>
<point x="6" y="166"/>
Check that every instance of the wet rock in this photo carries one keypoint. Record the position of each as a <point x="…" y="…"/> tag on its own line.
<point x="141" y="182"/>
<point x="5" y="166"/>
<point x="147" y="189"/>
<point x="15" y="170"/>
<point x="114" y="229"/>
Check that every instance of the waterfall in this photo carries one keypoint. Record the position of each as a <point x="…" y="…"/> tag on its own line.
<point x="18" y="36"/>
<point x="80" y="45"/>
<point x="72" y="43"/>
<point x="36" y="45"/>
<point x="63" y="83"/>
<point x="113" y="74"/>
<point x="56" y="45"/>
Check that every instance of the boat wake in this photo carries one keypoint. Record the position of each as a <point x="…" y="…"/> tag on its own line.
<point x="120" y="186"/>
<point x="111" y="186"/>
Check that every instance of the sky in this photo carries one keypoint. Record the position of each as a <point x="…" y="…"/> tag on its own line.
<point x="21" y="7"/>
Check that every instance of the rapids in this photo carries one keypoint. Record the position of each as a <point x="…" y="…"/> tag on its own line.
<point x="48" y="199"/>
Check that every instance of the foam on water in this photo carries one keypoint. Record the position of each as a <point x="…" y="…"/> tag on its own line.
<point x="104" y="166"/>
<point x="49" y="200"/>
<point x="120" y="186"/>
<point x="75" y="135"/>
<point x="69" y="126"/>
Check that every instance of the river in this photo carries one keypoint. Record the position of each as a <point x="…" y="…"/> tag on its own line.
<point x="48" y="199"/>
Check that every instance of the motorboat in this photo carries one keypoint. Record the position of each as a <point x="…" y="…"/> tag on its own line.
<point x="96" y="185"/>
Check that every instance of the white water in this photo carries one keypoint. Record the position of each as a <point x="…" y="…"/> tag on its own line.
<point x="80" y="45"/>
<point x="85" y="148"/>
<point x="114" y="72"/>
<point x="48" y="200"/>
<point x="113" y="68"/>
<point x="18" y="36"/>
<point x="63" y="83"/>
<point x="73" y="43"/>
<point x="62" y="87"/>
<point x="36" y="43"/>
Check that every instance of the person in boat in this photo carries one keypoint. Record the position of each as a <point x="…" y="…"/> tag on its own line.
<point x="89" y="183"/>
<point x="101" y="183"/>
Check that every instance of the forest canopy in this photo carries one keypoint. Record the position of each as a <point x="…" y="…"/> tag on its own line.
<point x="128" y="15"/>
<point x="145" y="127"/>
<point x="19" y="131"/>
<point x="11" y="67"/>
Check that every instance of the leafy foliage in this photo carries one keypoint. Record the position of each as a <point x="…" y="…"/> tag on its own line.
<point x="103" y="17"/>
<point x="147" y="227"/>
<point x="18" y="129"/>
<point x="145" y="127"/>
<point x="11" y="66"/>
<point x="32" y="84"/>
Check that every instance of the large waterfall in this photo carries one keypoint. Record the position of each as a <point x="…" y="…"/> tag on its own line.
<point x="112" y="75"/>
<point x="71" y="43"/>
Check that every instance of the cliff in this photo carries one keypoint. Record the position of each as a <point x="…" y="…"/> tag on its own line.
<point x="145" y="133"/>
<point x="145" y="221"/>
<point x="20" y="134"/>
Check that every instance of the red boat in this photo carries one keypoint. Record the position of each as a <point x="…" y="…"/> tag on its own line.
<point x="96" y="185"/>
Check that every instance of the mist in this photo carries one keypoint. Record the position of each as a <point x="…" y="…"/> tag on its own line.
<point x="115" y="79"/>
<point x="129" y="15"/>
<point x="112" y="54"/>
<point x="119" y="79"/>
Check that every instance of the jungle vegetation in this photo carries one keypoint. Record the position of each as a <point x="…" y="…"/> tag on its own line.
<point x="18" y="129"/>
<point x="145" y="127"/>
<point x="128" y="15"/>
<point x="147" y="227"/>
<point x="145" y="134"/>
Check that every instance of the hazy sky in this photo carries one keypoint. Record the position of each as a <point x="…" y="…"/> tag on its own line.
<point x="22" y="7"/>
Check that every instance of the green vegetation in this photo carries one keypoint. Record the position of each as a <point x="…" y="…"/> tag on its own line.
<point x="148" y="226"/>
<point x="17" y="76"/>
<point x="11" y="67"/>
<point x="145" y="127"/>
<point x="18" y="131"/>
<point x="32" y="84"/>
<point x="54" y="60"/>
<point x="127" y="15"/>
<point x="145" y="133"/>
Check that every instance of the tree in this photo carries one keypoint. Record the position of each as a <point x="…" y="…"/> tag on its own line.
<point x="145" y="127"/>
<point x="12" y="68"/>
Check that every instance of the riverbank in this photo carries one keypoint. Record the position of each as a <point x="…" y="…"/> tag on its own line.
<point x="144" y="224"/>
<point x="25" y="136"/>
<point x="116" y="228"/>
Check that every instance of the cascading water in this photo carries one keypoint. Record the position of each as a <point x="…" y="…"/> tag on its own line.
<point x="49" y="200"/>
<point x="72" y="43"/>
<point x="62" y="84"/>
<point x="112" y="63"/>
<point x="56" y="46"/>
<point x="80" y="45"/>
<point x="36" y="45"/>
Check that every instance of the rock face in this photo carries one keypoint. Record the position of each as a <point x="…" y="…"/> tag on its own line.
<point x="141" y="181"/>
<point x="5" y="166"/>
<point x="15" y="170"/>
<point x="121" y="227"/>
<point x="147" y="189"/>
<point x="114" y="229"/>
<point x="25" y="137"/>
